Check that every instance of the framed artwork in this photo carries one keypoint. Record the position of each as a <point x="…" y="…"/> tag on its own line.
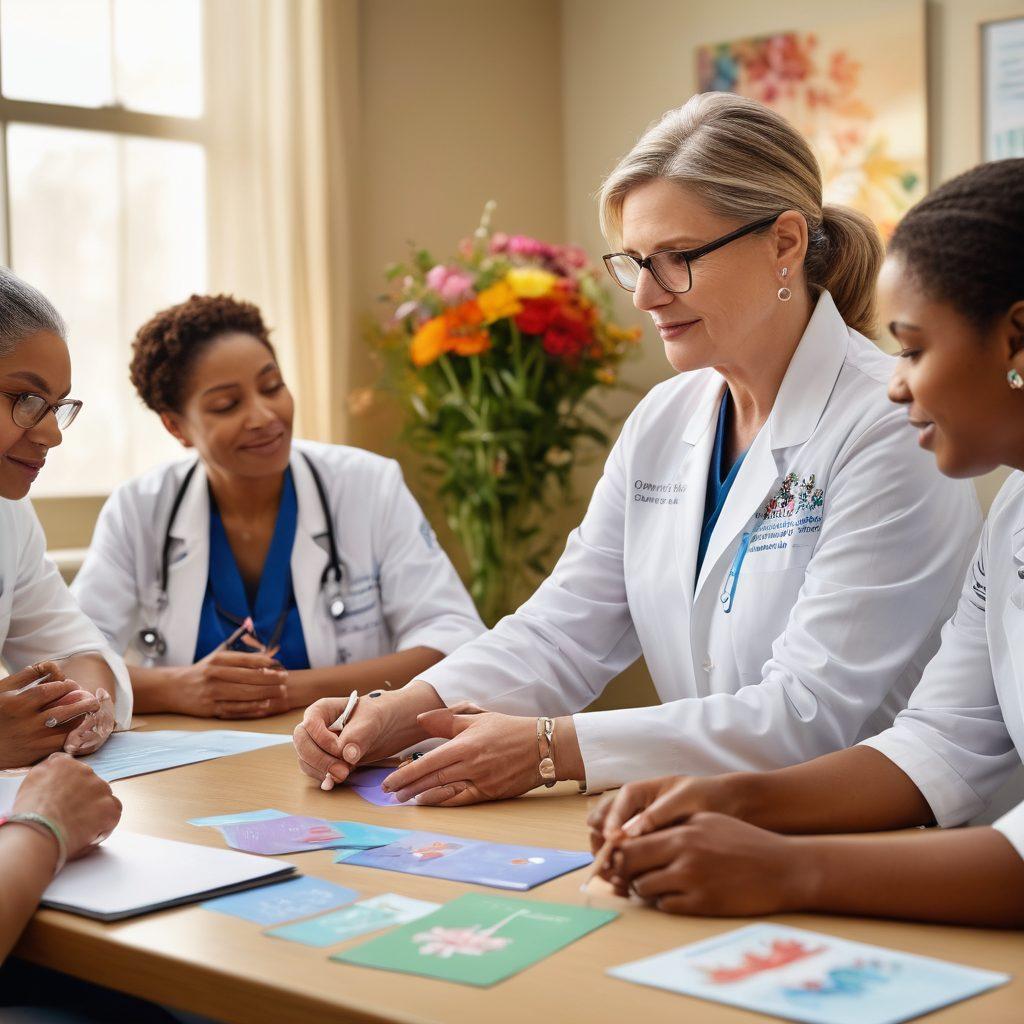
<point x="857" y="90"/>
<point x="1002" y="88"/>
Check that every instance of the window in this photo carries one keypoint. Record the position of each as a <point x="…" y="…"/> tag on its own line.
<point x="104" y="191"/>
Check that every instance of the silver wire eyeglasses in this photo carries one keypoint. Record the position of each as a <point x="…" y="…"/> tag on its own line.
<point x="671" y="267"/>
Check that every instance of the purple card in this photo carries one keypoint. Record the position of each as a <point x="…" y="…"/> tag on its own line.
<point x="470" y="860"/>
<point x="365" y="782"/>
<point x="363" y="778"/>
<point x="290" y="834"/>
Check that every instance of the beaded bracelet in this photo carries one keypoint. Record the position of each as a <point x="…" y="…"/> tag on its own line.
<point x="43" y="825"/>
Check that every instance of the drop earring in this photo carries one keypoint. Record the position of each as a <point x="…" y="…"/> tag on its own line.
<point x="784" y="293"/>
<point x="1015" y="380"/>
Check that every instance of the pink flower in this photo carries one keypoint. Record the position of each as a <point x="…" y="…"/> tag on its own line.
<point x="528" y="248"/>
<point x="446" y="942"/>
<point x="571" y="256"/>
<point x="452" y="284"/>
<point x="499" y="242"/>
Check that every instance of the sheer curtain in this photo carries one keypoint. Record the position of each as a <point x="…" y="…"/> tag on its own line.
<point x="281" y="79"/>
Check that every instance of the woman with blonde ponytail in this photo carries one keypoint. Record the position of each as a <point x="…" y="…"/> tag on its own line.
<point x="767" y="533"/>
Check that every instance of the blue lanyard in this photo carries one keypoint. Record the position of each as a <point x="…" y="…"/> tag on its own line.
<point x="729" y="590"/>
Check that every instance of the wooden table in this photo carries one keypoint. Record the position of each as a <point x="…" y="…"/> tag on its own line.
<point x="225" y="968"/>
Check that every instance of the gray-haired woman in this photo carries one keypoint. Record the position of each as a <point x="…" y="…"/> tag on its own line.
<point x="68" y="690"/>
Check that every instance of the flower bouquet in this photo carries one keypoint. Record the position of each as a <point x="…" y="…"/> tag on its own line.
<point x="496" y="356"/>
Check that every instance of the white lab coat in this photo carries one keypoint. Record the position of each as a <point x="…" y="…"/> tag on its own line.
<point x="38" y="616"/>
<point x="399" y="588"/>
<point x="962" y="734"/>
<point x="838" y="603"/>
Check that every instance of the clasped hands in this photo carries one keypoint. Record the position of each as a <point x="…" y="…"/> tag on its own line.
<point x="80" y="721"/>
<point x="488" y="756"/>
<point x="679" y="844"/>
<point x="233" y="684"/>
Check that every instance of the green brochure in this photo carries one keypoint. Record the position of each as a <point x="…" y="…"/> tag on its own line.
<point x="478" y="940"/>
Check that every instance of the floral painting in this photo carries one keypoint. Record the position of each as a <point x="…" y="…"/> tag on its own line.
<point x="857" y="93"/>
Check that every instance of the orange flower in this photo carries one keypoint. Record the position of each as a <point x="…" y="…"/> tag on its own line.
<point x="465" y="326"/>
<point x="472" y="344"/>
<point x="430" y="342"/>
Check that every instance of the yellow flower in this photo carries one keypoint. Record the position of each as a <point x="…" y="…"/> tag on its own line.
<point x="626" y="334"/>
<point x="498" y="302"/>
<point x="430" y="342"/>
<point x="531" y="282"/>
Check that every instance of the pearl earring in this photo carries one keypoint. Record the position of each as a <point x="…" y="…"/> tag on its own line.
<point x="784" y="293"/>
<point x="1015" y="380"/>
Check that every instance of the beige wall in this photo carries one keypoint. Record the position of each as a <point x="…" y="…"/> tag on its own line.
<point x="459" y="102"/>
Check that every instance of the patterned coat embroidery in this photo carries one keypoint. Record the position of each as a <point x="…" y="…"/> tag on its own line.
<point x="793" y="497"/>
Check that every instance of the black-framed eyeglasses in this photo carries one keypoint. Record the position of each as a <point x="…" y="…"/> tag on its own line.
<point x="28" y="409"/>
<point x="671" y="267"/>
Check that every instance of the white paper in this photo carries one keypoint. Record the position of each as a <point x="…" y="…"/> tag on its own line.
<point x="132" y="872"/>
<point x="9" y="785"/>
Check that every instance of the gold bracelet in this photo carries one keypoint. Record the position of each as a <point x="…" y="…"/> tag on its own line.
<point x="546" y="731"/>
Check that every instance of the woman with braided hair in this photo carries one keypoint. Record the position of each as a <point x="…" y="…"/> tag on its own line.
<point x="953" y="289"/>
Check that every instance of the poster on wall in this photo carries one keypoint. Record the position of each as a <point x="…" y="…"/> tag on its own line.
<point x="857" y="91"/>
<point x="1002" y="85"/>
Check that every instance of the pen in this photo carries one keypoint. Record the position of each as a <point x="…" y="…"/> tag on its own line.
<point x="415" y="756"/>
<point x="604" y="854"/>
<point x="53" y="722"/>
<point x="246" y="627"/>
<point x="600" y="861"/>
<point x="353" y="698"/>
<point x="35" y="682"/>
<point x="339" y="724"/>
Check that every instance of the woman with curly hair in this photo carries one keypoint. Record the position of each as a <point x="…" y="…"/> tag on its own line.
<point x="262" y="573"/>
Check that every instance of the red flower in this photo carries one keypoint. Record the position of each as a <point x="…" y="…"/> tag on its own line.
<point x="537" y="315"/>
<point x="570" y="333"/>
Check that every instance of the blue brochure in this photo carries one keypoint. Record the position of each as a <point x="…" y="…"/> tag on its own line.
<point x="234" y="819"/>
<point x="137" y="753"/>
<point x="806" y="976"/>
<point x="471" y="860"/>
<point x="359" y="835"/>
<point x="285" y="901"/>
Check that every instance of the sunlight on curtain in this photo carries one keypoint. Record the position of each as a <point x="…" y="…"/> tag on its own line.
<point x="279" y="184"/>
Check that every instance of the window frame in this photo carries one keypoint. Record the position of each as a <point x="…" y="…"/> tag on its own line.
<point x="113" y="119"/>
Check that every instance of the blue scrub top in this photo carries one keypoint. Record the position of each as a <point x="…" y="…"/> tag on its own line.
<point x="720" y="480"/>
<point x="274" y="599"/>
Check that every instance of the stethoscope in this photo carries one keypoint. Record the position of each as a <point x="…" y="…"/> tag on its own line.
<point x="152" y="641"/>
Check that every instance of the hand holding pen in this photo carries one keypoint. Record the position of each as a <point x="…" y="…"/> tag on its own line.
<point x="338" y="734"/>
<point x="642" y="808"/>
<point x="233" y="684"/>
